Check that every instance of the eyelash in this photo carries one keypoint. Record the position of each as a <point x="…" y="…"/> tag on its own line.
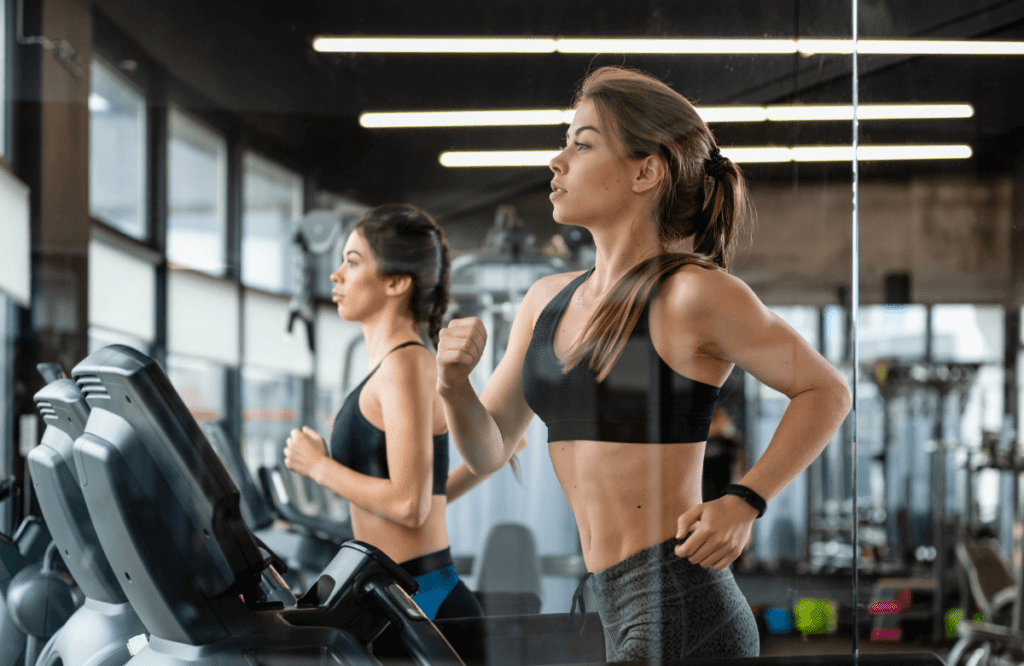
<point x="579" y="146"/>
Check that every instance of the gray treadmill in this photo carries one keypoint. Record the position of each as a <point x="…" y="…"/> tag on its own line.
<point x="98" y="632"/>
<point x="167" y="516"/>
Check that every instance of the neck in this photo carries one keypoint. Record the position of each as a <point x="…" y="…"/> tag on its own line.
<point x="385" y="331"/>
<point x="619" y="247"/>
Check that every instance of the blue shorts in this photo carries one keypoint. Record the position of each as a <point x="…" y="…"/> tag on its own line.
<point x="435" y="573"/>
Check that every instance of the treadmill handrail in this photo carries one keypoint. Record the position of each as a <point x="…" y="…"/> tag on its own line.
<point x="274" y="490"/>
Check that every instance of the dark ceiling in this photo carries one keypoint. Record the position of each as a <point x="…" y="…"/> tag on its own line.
<point x="254" y="61"/>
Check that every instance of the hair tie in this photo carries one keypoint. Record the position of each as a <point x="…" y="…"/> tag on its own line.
<point x="716" y="164"/>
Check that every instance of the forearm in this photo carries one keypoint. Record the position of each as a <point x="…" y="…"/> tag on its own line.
<point x="460" y="481"/>
<point x="473" y="431"/>
<point x="382" y="497"/>
<point x="809" y="422"/>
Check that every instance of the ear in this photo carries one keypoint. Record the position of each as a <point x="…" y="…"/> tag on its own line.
<point x="398" y="285"/>
<point x="649" y="173"/>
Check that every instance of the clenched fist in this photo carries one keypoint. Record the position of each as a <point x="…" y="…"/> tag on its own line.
<point x="305" y="450"/>
<point x="459" y="349"/>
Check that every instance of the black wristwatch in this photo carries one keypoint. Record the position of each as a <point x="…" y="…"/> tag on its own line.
<point x="748" y="496"/>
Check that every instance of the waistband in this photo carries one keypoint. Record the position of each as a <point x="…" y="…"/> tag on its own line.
<point x="424" y="564"/>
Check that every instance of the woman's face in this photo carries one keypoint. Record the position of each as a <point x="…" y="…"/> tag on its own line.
<point x="593" y="177"/>
<point x="358" y="289"/>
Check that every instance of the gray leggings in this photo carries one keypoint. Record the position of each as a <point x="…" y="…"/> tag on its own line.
<point x="655" y="605"/>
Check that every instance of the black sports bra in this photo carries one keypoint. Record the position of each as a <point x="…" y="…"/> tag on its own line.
<point x="359" y="445"/>
<point x="642" y="399"/>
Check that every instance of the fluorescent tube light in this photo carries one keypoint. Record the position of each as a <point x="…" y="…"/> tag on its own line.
<point x="467" y="118"/>
<point x="675" y="46"/>
<point x="711" y="114"/>
<point x="937" y="47"/>
<point x="434" y="45"/>
<point x="663" y="46"/>
<point x="739" y="154"/>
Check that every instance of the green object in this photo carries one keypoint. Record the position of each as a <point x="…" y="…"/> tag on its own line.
<point x="979" y="617"/>
<point x="816" y="616"/>
<point x="953" y="618"/>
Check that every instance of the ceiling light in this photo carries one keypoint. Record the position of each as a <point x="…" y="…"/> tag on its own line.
<point x="711" y="114"/>
<point x="675" y="46"/>
<point x="739" y="154"/>
<point x="663" y="46"/>
<point x="937" y="47"/>
<point x="434" y="45"/>
<point x="467" y="118"/>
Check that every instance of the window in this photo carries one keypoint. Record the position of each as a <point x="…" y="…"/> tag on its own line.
<point x="117" y="152"/>
<point x="3" y="78"/>
<point x="272" y="202"/>
<point x="196" y="195"/>
<point x="201" y="385"/>
<point x="271" y="407"/>
<point x="892" y="330"/>
<point x="122" y="296"/>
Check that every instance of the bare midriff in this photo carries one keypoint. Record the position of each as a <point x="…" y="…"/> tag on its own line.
<point x="626" y="497"/>
<point x="399" y="542"/>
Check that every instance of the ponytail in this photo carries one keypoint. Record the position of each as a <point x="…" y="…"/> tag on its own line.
<point x="726" y="206"/>
<point x="441" y="292"/>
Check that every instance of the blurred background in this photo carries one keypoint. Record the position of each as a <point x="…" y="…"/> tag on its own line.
<point x="179" y="177"/>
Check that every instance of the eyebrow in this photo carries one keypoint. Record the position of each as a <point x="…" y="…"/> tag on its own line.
<point x="580" y="129"/>
<point x="355" y="252"/>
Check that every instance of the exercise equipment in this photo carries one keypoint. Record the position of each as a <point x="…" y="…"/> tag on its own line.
<point x="307" y="544"/>
<point x="173" y="532"/>
<point x="98" y="632"/>
<point x="28" y="573"/>
<point x="999" y="641"/>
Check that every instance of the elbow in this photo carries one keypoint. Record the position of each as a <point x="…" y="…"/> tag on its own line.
<point x="413" y="512"/>
<point x="482" y="468"/>
<point x="844" y="398"/>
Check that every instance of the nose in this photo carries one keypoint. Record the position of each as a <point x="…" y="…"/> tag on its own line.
<point x="556" y="164"/>
<point x="336" y="275"/>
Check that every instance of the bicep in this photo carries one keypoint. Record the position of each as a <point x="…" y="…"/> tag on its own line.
<point x="407" y="401"/>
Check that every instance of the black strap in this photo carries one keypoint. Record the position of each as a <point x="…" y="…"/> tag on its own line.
<point x="748" y="496"/>
<point x="577" y="597"/>
<point x="394" y="349"/>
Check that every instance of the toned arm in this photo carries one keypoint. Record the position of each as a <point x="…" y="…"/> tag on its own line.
<point x="486" y="428"/>
<point x="406" y="394"/>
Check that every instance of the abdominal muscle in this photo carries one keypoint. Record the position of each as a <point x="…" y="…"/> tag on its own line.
<point x="626" y="497"/>
<point x="398" y="542"/>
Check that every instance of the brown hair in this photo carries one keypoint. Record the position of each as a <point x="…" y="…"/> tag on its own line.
<point x="407" y="241"/>
<point x="703" y="195"/>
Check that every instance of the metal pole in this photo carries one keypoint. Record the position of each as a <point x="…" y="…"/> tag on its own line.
<point x="855" y="307"/>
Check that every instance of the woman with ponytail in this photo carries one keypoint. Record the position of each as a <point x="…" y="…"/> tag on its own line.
<point x="623" y="363"/>
<point x="388" y="451"/>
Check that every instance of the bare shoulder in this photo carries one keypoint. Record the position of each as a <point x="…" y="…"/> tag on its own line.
<point x="695" y="291"/>
<point x="409" y="366"/>
<point x="543" y="290"/>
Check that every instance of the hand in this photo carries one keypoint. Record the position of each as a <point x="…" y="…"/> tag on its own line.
<point x="459" y="348"/>
<point x="720" y="531"/>
<point x="305" y="450"/>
